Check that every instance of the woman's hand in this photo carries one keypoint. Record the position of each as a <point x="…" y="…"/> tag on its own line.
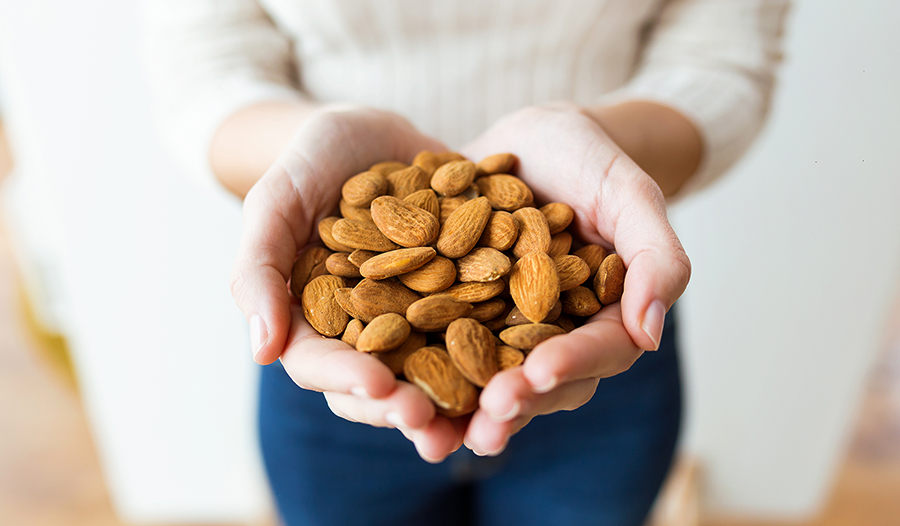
<point x="281" y="213"/>
<point x="566" y="156"/>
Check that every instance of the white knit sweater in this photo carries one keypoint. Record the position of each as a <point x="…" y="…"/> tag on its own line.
<point x="454" y="66"/>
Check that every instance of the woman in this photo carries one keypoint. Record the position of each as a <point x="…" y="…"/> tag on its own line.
<point x="612" y="107"/>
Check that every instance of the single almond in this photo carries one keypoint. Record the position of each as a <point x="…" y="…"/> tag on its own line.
<point x="384" y="333"/>
<point x="326" y="229"/>
<point x="342" y="296"/>
<point x="407" y="181"/>
<point x="449" y="205"/>
<point x="487" y="310"/>
<point x="593" y="255"/>
<point x="534" y="285"/>
<point x="498" y="323"/>
<point x="351" y="333"/>
<point x="528" y="336"/>
<point x="534" y="234"/>
<point x="338" y="264"/>
<point x="432" y="371"/>
<point x="579" y="301"/>
<point x="362" y="188"/>
<point x="372" y="298"/>
<point x="499" y="163"/>
<point x="475" y="291"/>
<point x="471" y="347"/>
<point x="434" y="313"/>
<point x="504" y="192"/>
<point x="572" y="271"/>
<point x="560" y="244"/>
<point x="559" y="216"/>
<point x="482" y="264"/>
<point x="321" y="309"/>
<point x="509" y="357"/>
<point x="453" y="178"/>
<point x="434" y="276"/>
<point x="360" y="256"/>
<point x="309" y="265"/>
<point x="565" y="322"/>
<point x="463" y="228"/>
<point x="354" y="212"/>
<point x="394" y="359"/>
<point x="426" y="200"/>
<point x="516" y="317"/>
<point x="500" y="232"/>
<point x="609" y="283"/>
<point x="396" y="262"/>
<point x="404" y="223"/>
<point x="360" y="234"/>
<point x="387" y="167"/>
<point x="430" y="161"/>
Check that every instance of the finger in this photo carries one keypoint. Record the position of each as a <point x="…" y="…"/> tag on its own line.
<point x="440" y="438"/>
<point x="406" y="407"/>
<point x="327" y="364"/>
<point x="599" y="349"/>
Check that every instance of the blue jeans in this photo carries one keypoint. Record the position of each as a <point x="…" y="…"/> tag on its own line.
<point x="601" y="464"/>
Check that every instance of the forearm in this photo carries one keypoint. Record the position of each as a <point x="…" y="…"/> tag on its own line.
<point x="662" y="141"/>
<point x="249" y="141"/>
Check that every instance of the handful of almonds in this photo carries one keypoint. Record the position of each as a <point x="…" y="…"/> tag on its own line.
<point x="447" y="272"/>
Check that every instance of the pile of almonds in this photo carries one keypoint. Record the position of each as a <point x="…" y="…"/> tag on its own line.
<point x="447" y="272"/>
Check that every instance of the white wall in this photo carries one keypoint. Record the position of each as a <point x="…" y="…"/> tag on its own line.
<point x="796" y="258"/>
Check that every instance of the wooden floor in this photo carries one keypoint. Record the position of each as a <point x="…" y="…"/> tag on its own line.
<point x="50" y="474"/>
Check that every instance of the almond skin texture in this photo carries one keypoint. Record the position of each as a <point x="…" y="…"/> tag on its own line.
<point x="407" y="181"/>
<point x="504" y="192"/>
<point x="342" y="296"/>
<point x="501" y="231"/>
<point x="360" y="234"/>
<point x="528" y="336"/>
<point x="373" y="298"/>
<point x="560" y="244"/>
<point x="471" y="347"/>
<point x="432" y="370"/>
<point x="515" y="316"/>
<point x="359" y="256"/>
<point x="355" y="213"/>
<point x="404" y="223"/>
<point x="453" y="178"/>
<point x="593" y="255"/>
<point x="449" y="205"/>
<point x="609" y="283"/>
<point x="534" y="285"/>
<point x="321" y="309"/>
<point x="559" y="216"/>
<point x="499" y="163"/>
<point x="351" y="333"/>
<point x="430" y="161"/>
<point x="534" y="234"/>
<point x="435" y="313"/>
<point x="572" y="271"/>
<point x="326" y="229"/>
<point x="434" y="276"/>
<point x="565" y="323"/>
<point x="388" y="167"/>
<point x="310" y="264"/>
<point x="394" y="359"/>
<point x="426" y="200"/>
<point x="580" y="301"/>
<point x="475" y="292"/>
<point x="509" y="357"/>
<point x="362" y="188"/>
<point x="396" y="262"/>
<point x="338" y="264"/>
<point x="463" y="228"/>
<point x="482" y="264"/>
<point x="487" y="310"/>
<point x="384" y="333"/>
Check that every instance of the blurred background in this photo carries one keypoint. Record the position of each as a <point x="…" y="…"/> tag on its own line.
<point x="127" y="393"/>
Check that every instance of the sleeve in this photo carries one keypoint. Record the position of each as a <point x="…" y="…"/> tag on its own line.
<point x="714" y="61"/>
<point x="205" y="60"/>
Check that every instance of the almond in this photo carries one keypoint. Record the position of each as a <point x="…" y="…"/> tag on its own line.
<point x="560" y="244"/>
<point x="498" y="323"/>
<point x="449" y="205"/>
<point x="338" y="264"/>
<point x="487" y="310"/>
<point x="435" y="313"/>
<point x="360" y="234"/>
<point x="384" y="333"/>
<point x="463" y="228"/>
<point x="593" y="255"/>
<point x="559" y="216"/>
<point x="482" y="264"/>
<point x="434" y="276"/>
<point x="471" y="347"/>
<point x="500" y="232"/>
<point x="326" y="228"/>
<point x="534" y="234"/>
<point x="404" y="223"/>
<point x="515" y="316"/>
<point x="432" y="370"/>
<point x="499" y="163"/>
<point x="353" y="212"/>
<point x="509" y="357"/>
<point x="453" y="178"/>
<point x="579" y="301"/>
<point x="360" y="256"/>
<point x="342" y="296"/>
<point x="528" y="336"/>
<point x="321" y="309"/>
<point x="351" y="333"/>
<point x="572" y="271"/>
<point x="407" y="181"/>
<point x="373" y="298"/>
<point x="394" y="359"/>
<point x="362" y="188"/>
<point x="504" y="192"/>
<point x="396" y="262"/>
<point x="309" y="265"/>
<point x="430" y="161"/>
<point x="426" y="200"/>
<point x="534" y="285"/>
<point x="609" y="283"/>
<point x="388" y="167"/>
<point x="565" y="323"/>
<point x="475" y="292"/>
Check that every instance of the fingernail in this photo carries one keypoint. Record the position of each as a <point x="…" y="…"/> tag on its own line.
<point x="395" y="420"/>
<point x="547" y="387"/>
<point x="509" y="415"/>
<point x="258" y="334"/>
<point x="498" y="450"/>
<point x="360" y="391"/>
<point x="653" y="322"/>
<point x="426" y="458"/>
